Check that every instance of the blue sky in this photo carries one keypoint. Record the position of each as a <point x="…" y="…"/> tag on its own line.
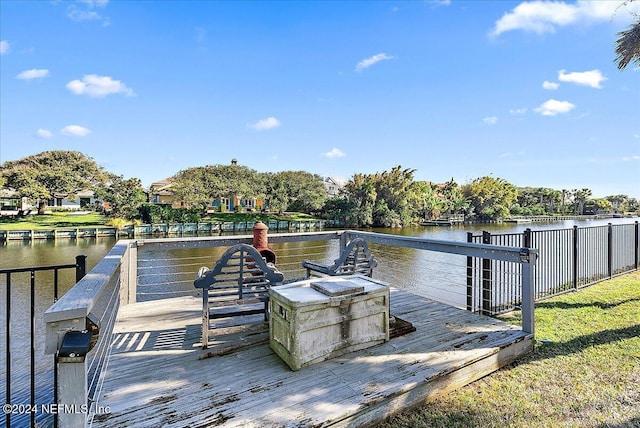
<point x="525" y="91"/>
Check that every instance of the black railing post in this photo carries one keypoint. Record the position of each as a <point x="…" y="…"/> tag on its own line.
<point x="526" y="238"/>
<point x="33" y="347"/>
<point x="8" y="351"/>
<point x="470" y="276"/>
<point x="575" y="257"/>
<point x="81" y="267"/>
<point x="610" y="250"/>
<point x="637" y="245"/>
<point x="486" y="278"/>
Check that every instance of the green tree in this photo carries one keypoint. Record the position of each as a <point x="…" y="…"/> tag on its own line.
<point x="125" y="197"/>
<point x="425" y="200"/>
<point x="602" y="204"/>
<point x="200" y="186"/>
<point x="619" y="202"/>
<point x="52" y="174"/>
<point x="382" y="199"/>
<point x="491" y="197"/>
<point x="338" y="209"/>
<point x="580" y="198"/>
<point x="294" y="191"/>
<point x="360" y="190"/>
<point x="628" y="44"/>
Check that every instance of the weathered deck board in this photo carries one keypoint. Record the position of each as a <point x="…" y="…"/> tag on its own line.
<point x="156" y="379"/>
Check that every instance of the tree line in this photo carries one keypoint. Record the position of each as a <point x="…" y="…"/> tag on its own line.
<point x="386" y="199"/>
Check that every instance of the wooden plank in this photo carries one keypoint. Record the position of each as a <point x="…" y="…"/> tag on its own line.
<point x="251" y="386"/>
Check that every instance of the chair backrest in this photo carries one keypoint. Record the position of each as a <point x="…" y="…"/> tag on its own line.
<point x="241" y="271"/>
<point x="355" y="258"/>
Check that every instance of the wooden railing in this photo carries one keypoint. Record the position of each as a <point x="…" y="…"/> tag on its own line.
<point x="89" y="309"/>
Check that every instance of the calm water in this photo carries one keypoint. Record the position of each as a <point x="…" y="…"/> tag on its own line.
<point x="171" y="273"/>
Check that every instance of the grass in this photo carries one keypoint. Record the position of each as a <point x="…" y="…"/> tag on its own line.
<point x="52" y="221"/>
<point x="584" y="371"/>
<point x="65" y="219"/>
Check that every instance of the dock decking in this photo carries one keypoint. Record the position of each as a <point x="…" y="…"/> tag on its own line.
<point x="155" y="377"/>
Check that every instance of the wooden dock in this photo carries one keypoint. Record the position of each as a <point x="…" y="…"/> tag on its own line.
<point x="155" y="377"/>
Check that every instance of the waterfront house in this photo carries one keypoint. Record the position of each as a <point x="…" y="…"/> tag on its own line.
<point x="333" y="185"/>
<point x="72" y="201"/>
<point x="160" y="193"/>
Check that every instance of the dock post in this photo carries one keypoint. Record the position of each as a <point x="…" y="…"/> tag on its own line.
<point x="528" y="293"/>
<point x="72" y="394"/>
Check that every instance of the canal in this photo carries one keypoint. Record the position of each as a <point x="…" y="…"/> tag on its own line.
<point x="170" y="273"/>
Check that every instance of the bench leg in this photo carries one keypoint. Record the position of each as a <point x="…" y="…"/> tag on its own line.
<point x="205" y="319"/>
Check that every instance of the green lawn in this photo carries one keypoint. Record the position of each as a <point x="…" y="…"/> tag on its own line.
<point x="51" y="221"/>
<point x="584" y="371"/>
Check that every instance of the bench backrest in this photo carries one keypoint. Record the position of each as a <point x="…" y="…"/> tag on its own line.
<point x="355" y="258"/>
<point x="241" y="272"/>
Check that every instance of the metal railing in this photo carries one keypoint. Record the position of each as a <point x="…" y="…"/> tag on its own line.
<point x="569" y="259"/>
<point x="9" y="275"/>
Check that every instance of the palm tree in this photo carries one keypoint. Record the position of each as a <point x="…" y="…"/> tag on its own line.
<point x="628" y="44"/>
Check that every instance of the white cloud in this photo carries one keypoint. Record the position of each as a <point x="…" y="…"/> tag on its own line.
<point x="86" y="12"/>
<point x="78" y="15"/>
<point x="334" y="153"/>
<point x="4" y="47"/>
<point x="98" y="86"/>
<point x="43" y="133"/>
<point x="33" y="74"/>
<point x="518" y="110"/>
<point x="94" y="3"/>
<point x="264" y="124"/>
<point x="368" y="62"/>
<point x="631" y="158"/>
<point x="550" y="86"/>
<point x="592" y="78"/>
<point x="75" y="131"/>
<point x="545" y="16"/>
<point x="492" y="120"/>
<point x="554" y="107"/>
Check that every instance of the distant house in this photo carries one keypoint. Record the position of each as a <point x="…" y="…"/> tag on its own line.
<point x="333" y="185"/>
<point x="160" y="193"/>
<point x="11" y="202"/>
<point x="72" y="201"/>
<point x="234" y="203"/>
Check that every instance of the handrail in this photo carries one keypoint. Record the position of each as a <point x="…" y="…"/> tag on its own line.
<point x="525" y="256"/>
<point x="506" y="254"/>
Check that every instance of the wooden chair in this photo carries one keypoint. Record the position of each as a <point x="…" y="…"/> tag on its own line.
<point x="354" y="258"/>
<point x="240" y="279"/>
